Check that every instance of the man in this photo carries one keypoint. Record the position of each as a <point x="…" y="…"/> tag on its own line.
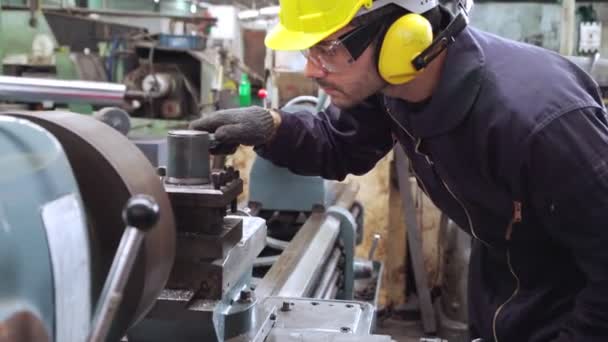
<point x="509" y="140"/>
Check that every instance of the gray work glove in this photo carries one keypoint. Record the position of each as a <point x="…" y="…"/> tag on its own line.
<point x="251" y="126"/>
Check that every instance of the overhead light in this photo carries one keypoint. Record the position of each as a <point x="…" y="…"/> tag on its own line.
<point x="193" y="8"/>
<point x="156" y="1"/>
<point x="248" y="14"/>
<point x="270" y="10"/>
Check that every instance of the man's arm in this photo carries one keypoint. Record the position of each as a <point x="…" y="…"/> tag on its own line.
<point x="568" y="175"/>
<point x="331" y="144"/>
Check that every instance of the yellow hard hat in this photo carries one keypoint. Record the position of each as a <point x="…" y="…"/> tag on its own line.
<point x="304" y="23"/>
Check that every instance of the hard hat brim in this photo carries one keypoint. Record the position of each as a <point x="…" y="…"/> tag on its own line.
<point x="280" y="38"/>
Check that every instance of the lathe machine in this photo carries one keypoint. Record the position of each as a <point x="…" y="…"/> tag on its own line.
<point x="98" y="245"/>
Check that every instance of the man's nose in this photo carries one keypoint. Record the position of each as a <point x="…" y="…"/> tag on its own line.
<point x="314" y="71"/>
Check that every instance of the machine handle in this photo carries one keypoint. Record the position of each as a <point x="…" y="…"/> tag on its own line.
<point x="141" y="213"/>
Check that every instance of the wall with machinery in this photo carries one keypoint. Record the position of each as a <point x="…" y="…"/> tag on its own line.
<point x="535" y="23"/>
<point x="17" y="37"/>
<point x="602" y="12"/>
<point x="578" y="30"/>
<point x="171" y="73"/>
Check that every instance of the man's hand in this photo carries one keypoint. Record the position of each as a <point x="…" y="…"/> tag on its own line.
<point x="251" y="126"/>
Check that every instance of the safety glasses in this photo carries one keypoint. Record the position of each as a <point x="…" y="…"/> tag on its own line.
<point x="337" y="55"/>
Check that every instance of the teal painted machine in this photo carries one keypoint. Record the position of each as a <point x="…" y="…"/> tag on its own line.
<point x="42" y="217"/>
<point x="274" y="188"/>
<point x="63" y="220"/>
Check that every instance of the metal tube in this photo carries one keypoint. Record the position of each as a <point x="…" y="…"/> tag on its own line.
<point x="333" y="288"/>
<point x="300" y="265"/>
<point x="568" y="27"/>
<point x="302" y="100"/>
<point x="330" y="270"/>
<point x="27" y="89"/>
<point x="112" y="294"/>
<point x="265" y="261"/>
<point x="276" y="243"/>
<point x="309" y="267"/>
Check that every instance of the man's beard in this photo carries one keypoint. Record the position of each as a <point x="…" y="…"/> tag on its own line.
<point x="326" y="85"/>
<point x="344" y="100"/>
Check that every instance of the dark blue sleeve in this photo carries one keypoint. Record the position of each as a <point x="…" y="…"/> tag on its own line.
<point x="331" y="144"/>
<point x="568" y="172"/>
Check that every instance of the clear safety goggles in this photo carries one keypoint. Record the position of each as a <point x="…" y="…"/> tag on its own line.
<point x="338" y="54"/>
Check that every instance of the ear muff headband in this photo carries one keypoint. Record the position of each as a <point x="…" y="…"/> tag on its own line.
<point x="443" y="40"/>
<point x="410" y="38"/>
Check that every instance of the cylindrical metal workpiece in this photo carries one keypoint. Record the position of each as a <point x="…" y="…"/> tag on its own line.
<point x="26" y="89"/>
<point x="188" y="157"/>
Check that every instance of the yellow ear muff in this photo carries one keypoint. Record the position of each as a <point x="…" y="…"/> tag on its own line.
<point x="405" y="40"/>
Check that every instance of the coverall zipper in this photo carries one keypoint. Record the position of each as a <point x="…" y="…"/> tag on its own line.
<point x="513" y="295"/>
<point x="417" y="142"/>
<point x="516" y="219"/>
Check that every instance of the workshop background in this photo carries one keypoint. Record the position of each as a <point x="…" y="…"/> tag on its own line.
<point x="166" y="62"/>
